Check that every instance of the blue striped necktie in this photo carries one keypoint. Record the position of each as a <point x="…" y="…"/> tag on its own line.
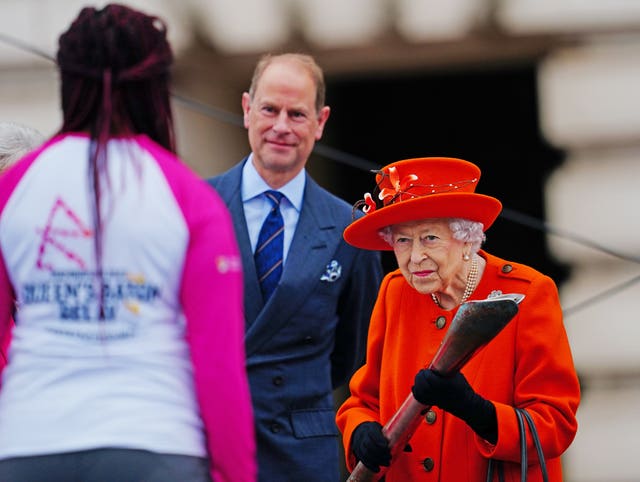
<point x="268" y="255"/>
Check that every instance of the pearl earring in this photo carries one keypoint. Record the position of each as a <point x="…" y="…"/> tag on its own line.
<point x="466" y="257"/>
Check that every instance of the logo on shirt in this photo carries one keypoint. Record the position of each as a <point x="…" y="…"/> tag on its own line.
<point x="75" y="295"/>
<point x="63" y="225"/>
<point x="73" y="288"/>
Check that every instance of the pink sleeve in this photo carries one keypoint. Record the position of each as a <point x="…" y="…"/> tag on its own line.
<point x="8" y="182"/>
<point x="212" y="300"/>
<point x="6" y="308"/>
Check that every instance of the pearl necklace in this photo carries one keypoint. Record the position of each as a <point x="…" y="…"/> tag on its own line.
<point x="472" y="279"/>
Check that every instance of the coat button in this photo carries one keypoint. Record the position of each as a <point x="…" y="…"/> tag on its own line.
<point x="430" y="417"/>
<point x="507" y="268"/>
<point x="277" y="381"/>
<point x="428" y="464"/>
<point x="440" y="322"/>
<point x="275" y="427"/>
<point x="308" y="340"/>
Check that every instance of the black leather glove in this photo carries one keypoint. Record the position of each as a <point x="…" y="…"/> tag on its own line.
<point x="455" y="395"/>
<point x="370" y="446"/>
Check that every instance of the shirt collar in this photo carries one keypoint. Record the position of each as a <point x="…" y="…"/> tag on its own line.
<point x="253" y="185"/>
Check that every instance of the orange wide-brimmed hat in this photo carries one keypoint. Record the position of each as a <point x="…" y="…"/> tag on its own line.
<point x="421" y="188"/>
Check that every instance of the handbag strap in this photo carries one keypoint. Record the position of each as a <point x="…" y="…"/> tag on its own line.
<point x="495" y="463"/>
<point x="522" y="415"/>
<point x="536" y="441"/>
<point x="524" y="462"/>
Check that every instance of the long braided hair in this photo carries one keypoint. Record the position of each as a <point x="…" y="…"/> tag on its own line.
<point x="114" y="67"/>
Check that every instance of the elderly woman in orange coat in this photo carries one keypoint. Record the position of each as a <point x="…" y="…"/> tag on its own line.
<point x="434" y="221"/>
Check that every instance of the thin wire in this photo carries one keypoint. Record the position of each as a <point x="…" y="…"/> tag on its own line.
<point x="342" y="157"/>
<point x="209" y="111"/>
<point x="534" y="223"/>
<point x="237" y="120"/>
<point x="20" y="45"/>
<point x="345" y="158"/>
<point x="600" y="296"/>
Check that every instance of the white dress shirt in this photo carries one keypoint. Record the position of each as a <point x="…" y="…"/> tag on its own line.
<point x="257" y="206"/>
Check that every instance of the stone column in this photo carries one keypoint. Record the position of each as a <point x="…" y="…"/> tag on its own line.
<point x="590" y="106"/>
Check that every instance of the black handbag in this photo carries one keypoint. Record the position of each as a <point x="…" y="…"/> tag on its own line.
<point x="521" y="415"/>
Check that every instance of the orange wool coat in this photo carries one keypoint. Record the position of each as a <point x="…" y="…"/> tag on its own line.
<point x="529" y="364"/>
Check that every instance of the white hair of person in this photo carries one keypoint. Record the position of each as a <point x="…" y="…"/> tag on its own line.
<point x="462" y="229"/>
<point x="16" y="140"/>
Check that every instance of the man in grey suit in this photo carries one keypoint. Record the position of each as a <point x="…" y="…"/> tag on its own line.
<point x="309" y="336"/>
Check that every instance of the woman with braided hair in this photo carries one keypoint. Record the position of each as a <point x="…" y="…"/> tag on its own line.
<point x="121" y="269"/>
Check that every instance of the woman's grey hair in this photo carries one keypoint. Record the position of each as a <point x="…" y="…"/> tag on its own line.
<point x="462" y="229"/>
<point x="16" y="140"/>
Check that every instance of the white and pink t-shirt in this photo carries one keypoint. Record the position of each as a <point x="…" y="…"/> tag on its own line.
<point x="164" y="370"/>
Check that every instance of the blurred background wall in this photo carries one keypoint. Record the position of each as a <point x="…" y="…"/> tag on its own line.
<point x="542" y="94"/>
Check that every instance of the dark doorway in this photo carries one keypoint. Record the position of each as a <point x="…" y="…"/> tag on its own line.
<point x="488" y="116"/>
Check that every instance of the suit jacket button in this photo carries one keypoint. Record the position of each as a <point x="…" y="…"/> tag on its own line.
<point x="308" y="340"/>
<point x="507" y="268"/>
<point x="440" y="322"/>
<point x="428" y="464"/>
<point x="275" y="427"/>
<point x="277" y="381"/>
<point x="430" y="417"/>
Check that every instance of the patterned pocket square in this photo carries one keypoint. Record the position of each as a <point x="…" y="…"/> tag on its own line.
<point x="333" y="272"/>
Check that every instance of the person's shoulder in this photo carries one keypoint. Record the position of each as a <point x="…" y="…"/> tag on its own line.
<point x="395" y="277"/>
<point x="235" y="170"/>
<point x="339" y="208"/>
<point x="174" y="168"/>
<point x="217" y="179"/>
<point x="511" y="269"/>
<point x="188" y="187"/>
<point x="394" y="282"/>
